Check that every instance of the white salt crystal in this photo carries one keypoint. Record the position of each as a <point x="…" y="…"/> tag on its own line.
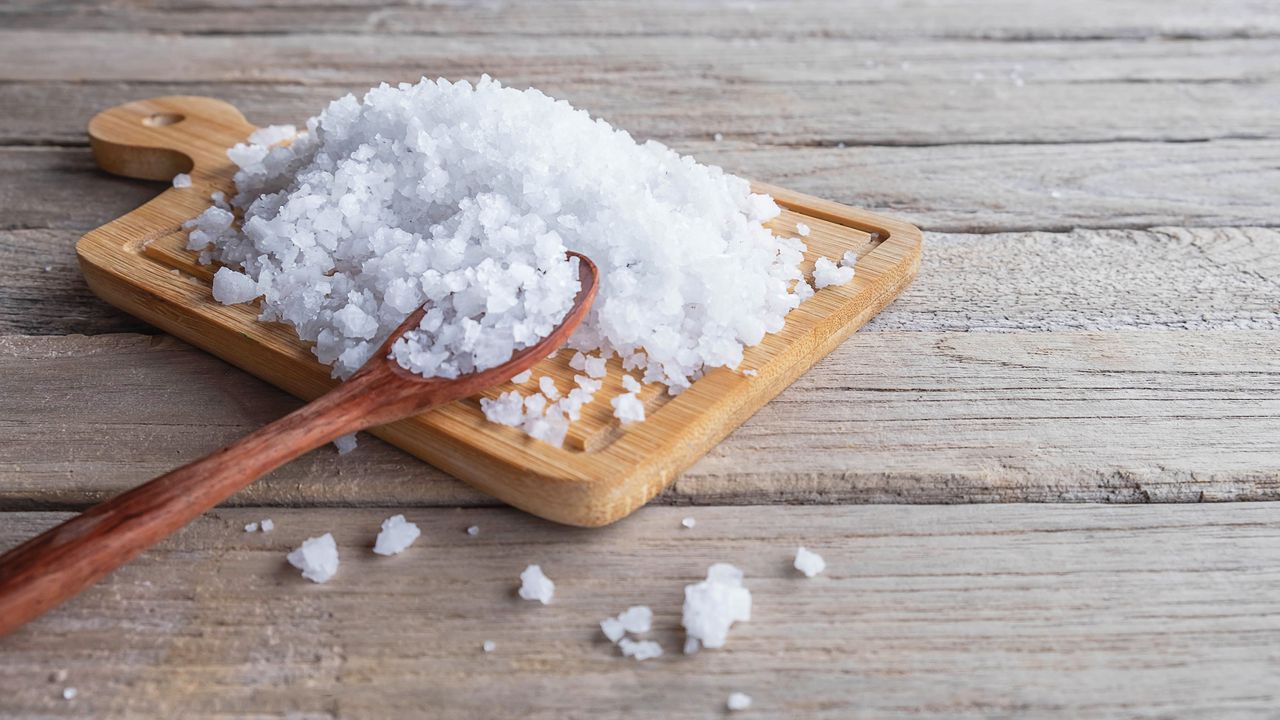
<point x="636" y="619"/>
<point x="630" y="384"/>
<point x="827" y="273"/>
<point x="69" y="693"/>
<point x="272" y="134"/>
<point x="809" y="563"/>
<point x="713" y="605"/>
<point x="750" y="372"/>
<point x="536" y="586"/>
<point x="849" y="259"/>
<point x="628" y="408"/>
<point x="691" y="646"/>
<point x="395" y="536"/>
<point x="595" y="367"/>
<point x="738" y="701"/>
<point x="251" y="527"/>
<point x="345" y="443"/>
<point x="802" y="229"/>
<point x="182" y="180"/>
<point x="317" y="558"/>
<point x="718" y="137"/>
<point x="474" y="530"/>
<point x="613" y="629"/>
<point x="267" y="525"/>
<point x="578" y="361"/>
<point x="547" y="385"/>
<point x="522" y="378"/>
<point x="689" y="522"/>
<point x="231" y="287"/>
<point x="640" y="649"/>
<point x="489" y="646"/>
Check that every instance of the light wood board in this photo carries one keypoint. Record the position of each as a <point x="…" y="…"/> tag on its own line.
<point x="604" y="471"/>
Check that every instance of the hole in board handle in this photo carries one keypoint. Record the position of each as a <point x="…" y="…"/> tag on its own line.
<point x="162" y="119"/>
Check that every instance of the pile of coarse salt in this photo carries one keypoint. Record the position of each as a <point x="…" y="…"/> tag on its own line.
<point x="465" y="198"/>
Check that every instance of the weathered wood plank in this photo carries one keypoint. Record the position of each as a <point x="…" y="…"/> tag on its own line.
<point x="933" y="612"/>
<point x="897" y="112"/>
<point x="692" y="63"/>
<point x="910" y="417"/>
<point x="985" y="20"/>
<point x="1164" y="279"/>
<point x="960" y="188"/>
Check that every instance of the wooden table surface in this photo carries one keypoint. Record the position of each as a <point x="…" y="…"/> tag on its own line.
<point x="1006" y="471"/>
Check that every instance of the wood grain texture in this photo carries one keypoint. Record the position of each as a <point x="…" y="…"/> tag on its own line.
<point x="1079" y="280"/>
<point x="957" y="417"/>
<point x="991" y="20"/>
<point x="923" y="612"/>
<point x="854" y="111"/>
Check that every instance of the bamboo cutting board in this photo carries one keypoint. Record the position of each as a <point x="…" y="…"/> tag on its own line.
<point x="604" y="471"/>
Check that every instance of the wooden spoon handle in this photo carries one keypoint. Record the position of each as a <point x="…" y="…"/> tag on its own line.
<point x="54" y="566"/>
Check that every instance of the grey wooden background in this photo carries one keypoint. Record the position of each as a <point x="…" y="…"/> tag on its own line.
<point x="1006" y="470"/>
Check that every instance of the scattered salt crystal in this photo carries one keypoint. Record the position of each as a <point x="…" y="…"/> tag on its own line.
<point x="547" y="385"/>
<point x="827" y="273"/>
<point x="317" y="558"/>
<point x="718" y="137"/>
<point x="251" y="527"/>
<point x="182" y="180"/>
<point x="849" y="259"/>
<point x="628" y="408"/>
<point x="691" y="646"/>
<point x="231" y="287"/>
<point x="808" y="562"/>
<point x="636" y="619"/>
<point x="804" y="290"/>
<point x="738" y="701"/>
<point x="474" y="530"/>
<point x="630" y="384"/>
<point x="689" y="522"/>
<point x="395" y="536"/>
<point x="345" y="443"/>
<point x="267" y="525"/>
<point x="69" y="693"/>
<point x="802" y="229"/>
<point x="595" y="367"/>
<point x="713" y="605"/>
<point x="522" y="378"/>
<point x="48" y="268"/>
<point x="640" y="649"/>
<point x="489" y="646"/>
<point x="751" y="372"/>
<point x="578" y="361"/>
<point x="613" y="629"/>
<point x="272" y="134"/>
<point x="536" y="586"/>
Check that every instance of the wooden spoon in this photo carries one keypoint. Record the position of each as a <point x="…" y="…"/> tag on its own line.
<point x="54" y="566"/>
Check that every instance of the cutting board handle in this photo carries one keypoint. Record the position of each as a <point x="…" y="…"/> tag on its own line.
<point x="150" y="139"/>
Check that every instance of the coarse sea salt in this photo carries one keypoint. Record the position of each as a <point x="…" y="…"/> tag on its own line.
<point x="267" y="525"/>
<point x="317" y="558"/>
<point x="345" y="443"/>
<point x="827" y="273"/>
<point x="713" y="605"/>
<point x="464" y="198"/>
<point x="808" y="562"/>
<point x="534" y="585"/>
<point x="738" y="701"/>
<point x="802" y="229"/>
<point x="640" y="649"/>
<point x="182" y="180"/>
<point x="396" y="535"/>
